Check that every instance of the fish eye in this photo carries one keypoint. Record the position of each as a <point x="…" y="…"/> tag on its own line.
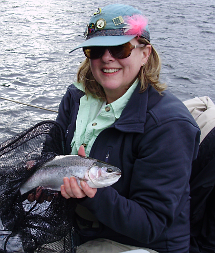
<point x="109" y="170"/>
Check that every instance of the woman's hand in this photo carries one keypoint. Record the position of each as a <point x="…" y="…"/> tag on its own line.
<point x="70" y="188"/>
<point x="40" y="195"/>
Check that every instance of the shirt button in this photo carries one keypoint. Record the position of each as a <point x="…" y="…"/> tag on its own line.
<point x="94" y="124"/>
<point x="107" y="109"/>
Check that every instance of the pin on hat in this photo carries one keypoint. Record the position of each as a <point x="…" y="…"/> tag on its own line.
<point x="114" y="25"/>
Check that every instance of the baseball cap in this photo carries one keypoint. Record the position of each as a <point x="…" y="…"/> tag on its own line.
<point x="114" y="25"/>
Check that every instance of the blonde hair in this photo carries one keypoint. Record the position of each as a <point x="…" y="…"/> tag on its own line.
<point x="150" y="72"/>
<point x="148" y="75"/>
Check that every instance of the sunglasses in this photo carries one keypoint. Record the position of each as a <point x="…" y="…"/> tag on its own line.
<point x="118" y="52"/>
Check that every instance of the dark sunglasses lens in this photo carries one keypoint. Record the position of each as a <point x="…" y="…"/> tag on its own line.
<point x="94" y="52"/>
<point x="121" y="51"/>
<point x="118" y="52"/>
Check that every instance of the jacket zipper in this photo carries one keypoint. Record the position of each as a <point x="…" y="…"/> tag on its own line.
<point x="107" y="156"/>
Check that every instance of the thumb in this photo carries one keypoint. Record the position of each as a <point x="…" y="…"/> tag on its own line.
<point x="81" y="151"/>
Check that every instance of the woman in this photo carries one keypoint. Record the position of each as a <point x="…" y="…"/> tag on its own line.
<point x="120" y="113"/>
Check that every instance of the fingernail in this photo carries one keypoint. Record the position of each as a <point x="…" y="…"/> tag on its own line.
<point x="83" y="184"/>
<point x="72" y="180"/>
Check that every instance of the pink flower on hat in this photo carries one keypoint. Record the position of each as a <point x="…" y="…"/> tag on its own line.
<point x="136" y="24"/>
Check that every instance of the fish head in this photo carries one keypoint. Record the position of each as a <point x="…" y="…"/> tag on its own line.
<point x="102" y="175"/>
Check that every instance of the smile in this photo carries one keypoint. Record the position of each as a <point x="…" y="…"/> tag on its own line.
<point x="110" y="70"/>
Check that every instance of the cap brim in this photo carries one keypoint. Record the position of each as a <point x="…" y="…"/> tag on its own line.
<point x="105" y="41"/>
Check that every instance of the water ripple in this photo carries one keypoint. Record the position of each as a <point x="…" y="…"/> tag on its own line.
<point x="37" y="35"/>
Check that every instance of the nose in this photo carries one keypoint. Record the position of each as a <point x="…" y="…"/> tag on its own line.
<point x="107" y="56"/>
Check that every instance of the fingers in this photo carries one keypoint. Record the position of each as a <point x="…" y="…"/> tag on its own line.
<point x="81" y="151"/>
<point x="36" y="195"/>
<point x="30" y="164"/>
<point x="64" y="193"/>
<point x="66" y="190"/>
<point x="90" y="192"/>
<point x="40" y="195"/>
<point x="31" y="197"/>
<point x="71" y="189"/>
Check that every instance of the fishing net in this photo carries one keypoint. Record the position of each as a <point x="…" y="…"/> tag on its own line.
<point x="31" y="226"/>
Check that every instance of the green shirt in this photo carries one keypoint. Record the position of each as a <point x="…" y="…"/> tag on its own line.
<point x="94" y="116"/>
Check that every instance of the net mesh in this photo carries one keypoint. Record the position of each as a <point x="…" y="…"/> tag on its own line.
<point x="31" y="226"/>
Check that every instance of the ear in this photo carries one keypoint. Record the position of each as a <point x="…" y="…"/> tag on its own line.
<point x="146" y="53"/>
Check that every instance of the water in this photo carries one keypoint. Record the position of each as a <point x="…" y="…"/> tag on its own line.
<point x="37" y="35"/>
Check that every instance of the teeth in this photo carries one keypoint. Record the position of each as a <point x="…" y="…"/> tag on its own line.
<point x="110" y="70"/>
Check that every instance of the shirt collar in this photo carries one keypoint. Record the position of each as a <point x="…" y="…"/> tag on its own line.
<point x="119" y="104"/>
<point x="79" y="86"/>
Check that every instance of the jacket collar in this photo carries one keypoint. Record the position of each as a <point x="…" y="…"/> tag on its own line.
<point x="133" y="117"/>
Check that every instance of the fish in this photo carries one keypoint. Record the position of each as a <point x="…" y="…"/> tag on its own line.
<point x="95" y="173"/>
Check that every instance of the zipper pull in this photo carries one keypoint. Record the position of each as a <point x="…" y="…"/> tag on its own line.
<point x="107" y="156"/>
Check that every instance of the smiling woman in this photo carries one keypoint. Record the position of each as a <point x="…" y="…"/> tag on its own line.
<point x="116" y="75"/>
<point x="148" y="70"/>
<point x="119" y="112"/>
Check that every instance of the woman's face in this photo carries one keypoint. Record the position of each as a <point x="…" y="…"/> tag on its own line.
<point x="117" y="75"/>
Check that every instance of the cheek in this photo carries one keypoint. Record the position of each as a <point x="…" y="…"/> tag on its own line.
<point x="133" y="62"/>
<point x="94" y="65"/>
<point x="132" y="69"/>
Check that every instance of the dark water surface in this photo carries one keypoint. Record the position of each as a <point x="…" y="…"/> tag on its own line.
<point x="37" y="35"/>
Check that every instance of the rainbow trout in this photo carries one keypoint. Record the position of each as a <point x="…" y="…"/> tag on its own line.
<point x="95" y="173"/>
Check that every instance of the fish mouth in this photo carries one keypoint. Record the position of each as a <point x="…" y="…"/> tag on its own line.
<point x="107" y="180"/>
<point x="116" y="174"/>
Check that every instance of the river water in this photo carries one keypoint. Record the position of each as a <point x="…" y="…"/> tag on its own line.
<point x="37" y="35"/>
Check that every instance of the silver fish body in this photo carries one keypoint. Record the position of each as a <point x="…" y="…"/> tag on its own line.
<point x="96" y="174"/>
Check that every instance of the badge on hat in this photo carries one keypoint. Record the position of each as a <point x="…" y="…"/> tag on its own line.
<point x="118" y="20"/>
<point x="90" y="29"/>
<point x="100" y="24"/>
<point x="98" y="11"/>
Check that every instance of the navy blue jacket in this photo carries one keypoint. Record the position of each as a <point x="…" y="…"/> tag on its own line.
<point x="153" y="143"/>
